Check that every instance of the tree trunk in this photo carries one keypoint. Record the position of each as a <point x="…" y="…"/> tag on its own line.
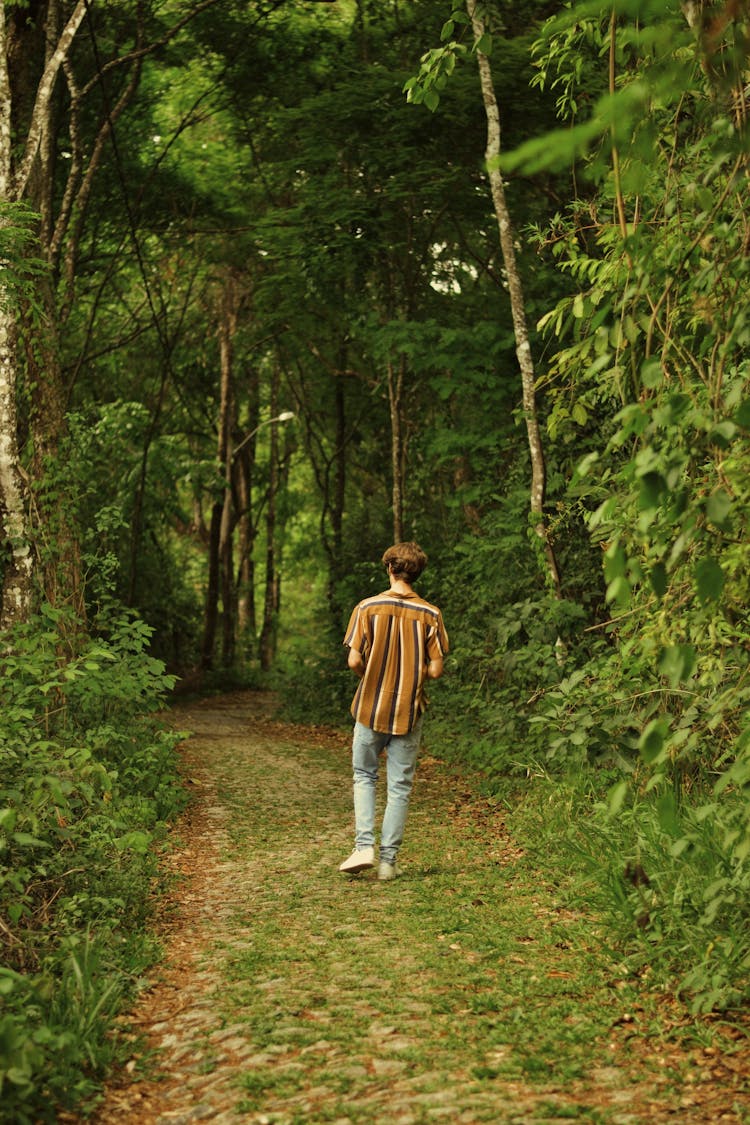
<point x="17" y="572"/>
<point x="246" y="619"/>
<point x="220" y="536"/>
<point x="395" y="394"/>
<point x="227" y="330"/>
<point x="15" y="538"/>
<point x="247" y="529"/>
<point x="211" y="612"/>
<point x="523" y="348"/>
<point x="267" y="645"/>
<point x="53" y="525"/>
<point x="337" y="493"/>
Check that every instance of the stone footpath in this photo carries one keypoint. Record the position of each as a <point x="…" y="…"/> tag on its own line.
<point x="293" y="996"/>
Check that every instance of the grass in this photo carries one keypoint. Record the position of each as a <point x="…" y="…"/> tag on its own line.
<point x="443" y="990"/>
<point x="478" y="987"/>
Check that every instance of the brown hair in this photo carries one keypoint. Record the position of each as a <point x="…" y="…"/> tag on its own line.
<point x="406" y="561"/>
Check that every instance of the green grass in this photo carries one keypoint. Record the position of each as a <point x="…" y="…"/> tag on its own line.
<point x="467" y="977"/>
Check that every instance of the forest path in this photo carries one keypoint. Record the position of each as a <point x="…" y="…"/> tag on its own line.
<point x="461" y="992"/>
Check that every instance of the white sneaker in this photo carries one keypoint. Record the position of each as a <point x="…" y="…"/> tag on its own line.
<point x="359" y="860"/>
<point x="388" y="870"/>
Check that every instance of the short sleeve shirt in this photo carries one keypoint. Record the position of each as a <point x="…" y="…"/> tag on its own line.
<point x="397" y="635"/>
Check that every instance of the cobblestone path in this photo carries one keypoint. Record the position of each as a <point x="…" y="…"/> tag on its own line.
<point x="460" y="992"/>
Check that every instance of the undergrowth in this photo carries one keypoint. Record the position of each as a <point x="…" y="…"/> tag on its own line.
<point x="88" y="786"/>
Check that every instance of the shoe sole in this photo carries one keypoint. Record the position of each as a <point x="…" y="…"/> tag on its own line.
<point x="356" y="869"/>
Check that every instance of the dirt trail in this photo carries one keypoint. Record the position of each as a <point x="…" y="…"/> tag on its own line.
<point x="290" y="994"/>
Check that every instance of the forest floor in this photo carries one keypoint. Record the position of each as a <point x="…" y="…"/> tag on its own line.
<point x="464" y="991"/>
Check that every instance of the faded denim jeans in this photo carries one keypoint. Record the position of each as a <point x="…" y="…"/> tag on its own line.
<point x="402" y="749"/>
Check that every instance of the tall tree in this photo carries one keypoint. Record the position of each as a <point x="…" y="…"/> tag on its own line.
<point x="14" y="179"/>
<point x="515" y="291"/>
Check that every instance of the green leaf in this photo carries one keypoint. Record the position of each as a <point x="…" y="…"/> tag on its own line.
<point x="134" y="841"/>
<point x="615" y="562"/>
<point x="709" y="580"/>
<point x="652" y="374"/>
<point x="658" y="578"/>
<point x="484" y="44"/>
<point x="618" y="590"/>
<point x="651" y="742"/>
<point x="723" y="433"/>
<point x="26" y="840"/>
<point x="668" y="813"/>
<point x="742" y="417"/>
<point x="652" y="489"/>
<point x="677" y="663"/>
<point x="431" y="99"/>
<point x="718" y="507"/>
<point x="447" y="30"/>
<point x="8" y="819"/>
<point x="616" y="797"/>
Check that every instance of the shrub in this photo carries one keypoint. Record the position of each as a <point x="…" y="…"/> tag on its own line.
<point x="89" y="781"/>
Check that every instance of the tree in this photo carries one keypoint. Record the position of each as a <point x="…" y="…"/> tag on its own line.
<point x="436" y="67"/>
<point x="14" y="179"/>
<point x="651" y="371"/>
<point x="515" y="291"/>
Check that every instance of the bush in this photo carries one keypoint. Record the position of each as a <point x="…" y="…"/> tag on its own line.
<point x="89" y="781"/>
<point x="661" y="871"/>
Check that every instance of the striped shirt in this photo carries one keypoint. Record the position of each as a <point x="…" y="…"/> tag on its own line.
<point x="398" y="635"/>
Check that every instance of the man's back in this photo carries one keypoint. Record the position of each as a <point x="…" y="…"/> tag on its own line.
<point x="397" y="634"/>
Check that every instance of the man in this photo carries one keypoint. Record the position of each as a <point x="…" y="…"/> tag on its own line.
<point x="396" y="641"/>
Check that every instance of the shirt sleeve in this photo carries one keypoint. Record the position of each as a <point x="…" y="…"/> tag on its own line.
<point x="437" y="640"/>
<point x="356" y="635"/>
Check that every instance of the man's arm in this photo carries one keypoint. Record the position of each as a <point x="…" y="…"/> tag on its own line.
<point x="435" y="668"/>
<point x="356" y="662"/>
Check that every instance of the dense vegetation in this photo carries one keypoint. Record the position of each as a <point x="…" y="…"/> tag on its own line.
<point x="255" y="325"/>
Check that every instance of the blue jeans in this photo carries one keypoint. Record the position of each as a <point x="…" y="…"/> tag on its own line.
<point x="402" y="750"/>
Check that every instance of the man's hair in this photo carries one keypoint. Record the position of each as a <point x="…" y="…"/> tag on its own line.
<point x="406" y="560"/>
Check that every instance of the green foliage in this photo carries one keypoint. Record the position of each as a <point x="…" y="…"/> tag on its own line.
<point x="658" y="870"/>
<point x="652" y="350"/>
<point x="88" y="783"/>
<point x="19" y="253"/>
<point x="110" y="465"/>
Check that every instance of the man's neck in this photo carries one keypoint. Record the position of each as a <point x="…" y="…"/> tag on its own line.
<point x="398" y="586"/>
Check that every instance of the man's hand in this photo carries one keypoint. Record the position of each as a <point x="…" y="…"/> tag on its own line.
<point x="356" y="662"/>
<point x="435" y="668"/>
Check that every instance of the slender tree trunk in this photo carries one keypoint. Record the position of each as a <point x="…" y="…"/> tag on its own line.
<point x="267" y="646"/>
<point x="227" y="330"/>
<point x="247" y="529"/>
<point x="14" y="530"/>
<point x="523" y="348"/>
<point x="395" y="396"/>
<point x="40" y="117"/>
<point x="219" y="540"/>
<point x="246" y="620"/>
<point x="211" y="612"/>
<point x="15" y="538"/>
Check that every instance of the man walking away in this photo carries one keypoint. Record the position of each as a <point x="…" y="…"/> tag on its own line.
<point x="396" y="642"/>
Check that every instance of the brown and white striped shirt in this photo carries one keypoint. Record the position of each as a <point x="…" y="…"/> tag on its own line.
<point x="398" y="635"/>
